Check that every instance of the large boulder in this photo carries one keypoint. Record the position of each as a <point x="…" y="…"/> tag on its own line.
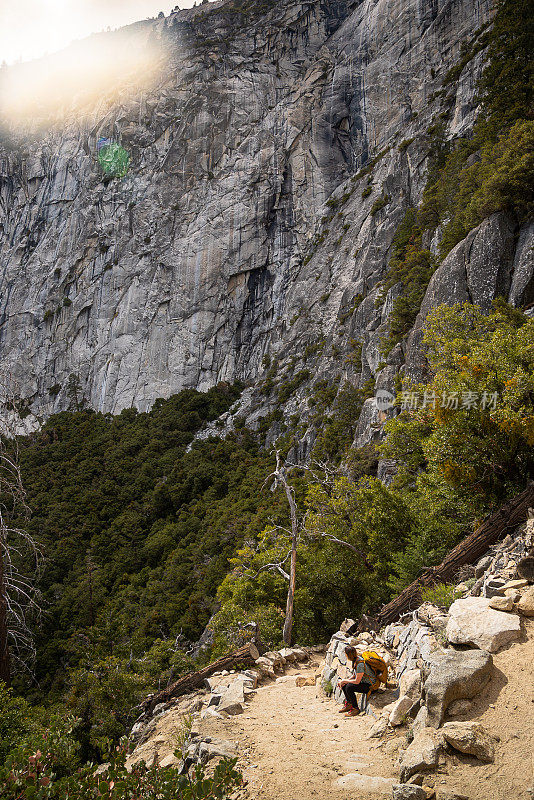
<point x="472" y="621"/>
<point x="422" y="754"/>
<point x="471" y="738"/>
<point x="454" y="675"/>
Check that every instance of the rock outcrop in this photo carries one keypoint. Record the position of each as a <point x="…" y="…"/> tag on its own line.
<point x="244" y="240"/>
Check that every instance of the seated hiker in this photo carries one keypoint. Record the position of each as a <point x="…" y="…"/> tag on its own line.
<point x="362" y="681"/>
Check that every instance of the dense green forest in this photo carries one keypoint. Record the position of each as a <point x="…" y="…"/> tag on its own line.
<point x="148" y="534"/>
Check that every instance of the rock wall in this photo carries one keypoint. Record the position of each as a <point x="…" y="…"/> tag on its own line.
<point x="240" y="236"/>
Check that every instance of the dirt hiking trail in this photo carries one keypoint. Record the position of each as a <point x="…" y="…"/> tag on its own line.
<point x="293" y="744"/>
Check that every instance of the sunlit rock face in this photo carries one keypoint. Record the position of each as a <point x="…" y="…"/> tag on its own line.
<point x="213" y="252"/>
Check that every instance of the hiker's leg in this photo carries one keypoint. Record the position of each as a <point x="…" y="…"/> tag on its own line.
<point x="361" y="688"/>
<point x="350" y="693"/>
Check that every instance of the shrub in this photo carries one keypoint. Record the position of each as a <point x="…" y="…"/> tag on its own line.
<point x="441" y="595"/>
<point x="379" y="204"/>
<point x="33" y="776"/>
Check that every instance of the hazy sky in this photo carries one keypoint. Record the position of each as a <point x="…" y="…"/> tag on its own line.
<point x="30" y="28"/>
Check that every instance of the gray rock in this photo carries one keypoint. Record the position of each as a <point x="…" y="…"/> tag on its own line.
<point x="454" y="675"/>
<point x="400" y="709"/>
<point x="216" y="748"/>
<point x="482" y="566"/>
<point x="410" y="684"/>
<point x="474" y="271"/>
<point x="471" y="738"/>
<point x="472" y="621"/>
<point x="202" y="260"/>
<point x="407" y="791"/>
<point x="493" y="587"/>
<point x="422" y="754"/>
<point x="232" y="698"/>
<point x="459" y="707"/>
<point x="379" y="728"/>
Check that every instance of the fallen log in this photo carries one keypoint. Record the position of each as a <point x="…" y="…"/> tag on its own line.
<point x="468" y="551"/>
<point x="244" y="656"/>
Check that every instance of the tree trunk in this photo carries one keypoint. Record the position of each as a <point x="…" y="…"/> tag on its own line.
<point x="5" y="660"/>
<point x="288" y="624"/>
<point x="470" y="549"/>
<point x="246" y="655"/>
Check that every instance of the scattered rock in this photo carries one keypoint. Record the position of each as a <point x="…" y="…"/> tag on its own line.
<point x="494" y="587"/>
<point x="421" y="721"/>
<point x="265" y="667"/>
<point x="422" y="754"/>
<point x="513" y="594"/>
<point x="305" y="680"/>
<point x="400" y="709"/>
<point x="392" y="746"/>
<point x="275" y="658"/>
<point x="482" y="566"/>
<point x="472" y="621"/>
<point x="471" y="738"/>
<point x="517" y="584"/>
<point x="211" y="712"/>
<point x="454" y="675"/>
<point x="407" y="791"/>
<point x="288" y="654"/>
<point x="526" y="605"/>
<point x="450" y="794"/>
<point x="502" y="603"/>
<point x="232" y="698"/>
<point x="347" y="626"/>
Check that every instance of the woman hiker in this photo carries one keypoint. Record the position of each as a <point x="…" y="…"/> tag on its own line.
<point x="363" y="678"/>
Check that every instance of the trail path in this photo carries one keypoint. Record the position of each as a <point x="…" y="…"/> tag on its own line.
<point x="294" y="745"/>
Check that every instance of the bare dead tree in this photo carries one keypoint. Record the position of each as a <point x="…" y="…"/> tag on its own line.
<point x="324" y="475"/>
<point x="280" y="478"/>
<point x="19" y="596"/>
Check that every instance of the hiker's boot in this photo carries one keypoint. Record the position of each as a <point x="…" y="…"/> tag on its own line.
<point x="354" y="712"/>
<point x="346" y="707"/>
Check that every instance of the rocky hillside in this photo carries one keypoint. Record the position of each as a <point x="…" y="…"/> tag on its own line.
<point x="453" y="723"/>
<point x="271" y="164"/>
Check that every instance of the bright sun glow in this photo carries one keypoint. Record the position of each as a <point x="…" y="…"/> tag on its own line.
<point x="31" y="28"/>
<point x="73" y="67"/>
<point x="101" y="67"/>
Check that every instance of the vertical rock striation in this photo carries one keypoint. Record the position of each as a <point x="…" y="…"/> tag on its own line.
<point x="244" y="231"/>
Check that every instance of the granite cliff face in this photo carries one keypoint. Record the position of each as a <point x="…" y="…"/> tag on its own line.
<point x="240" y="236"/>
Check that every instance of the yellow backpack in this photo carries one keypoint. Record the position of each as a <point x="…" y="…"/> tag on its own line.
<point x="379" y="667"/>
